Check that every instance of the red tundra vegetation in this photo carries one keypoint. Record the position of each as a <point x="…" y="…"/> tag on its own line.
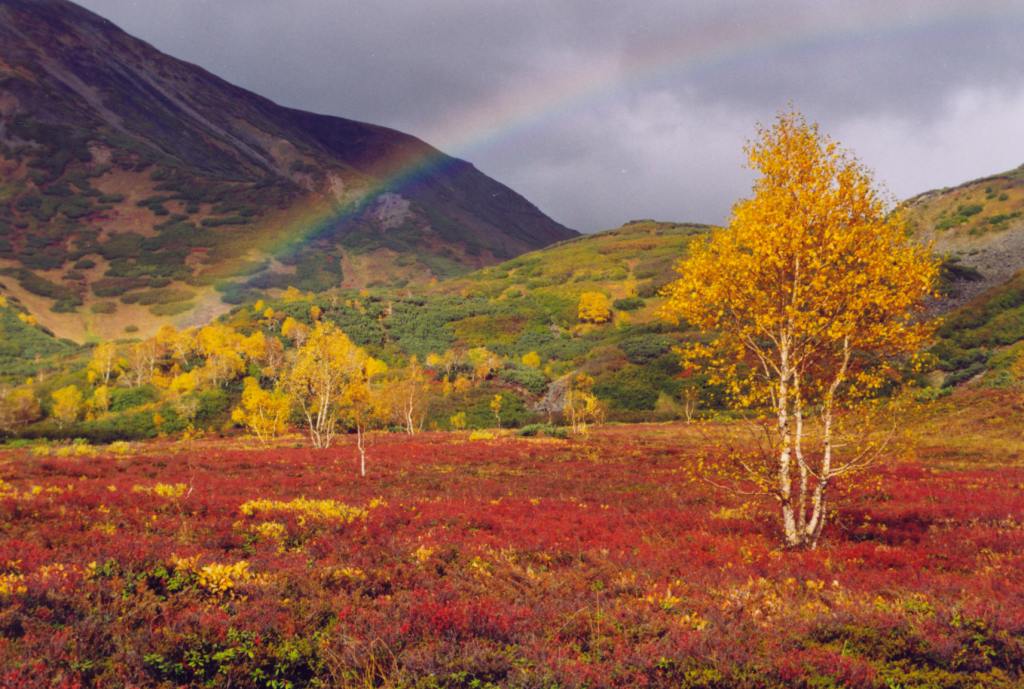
<point x="513" y="562"/>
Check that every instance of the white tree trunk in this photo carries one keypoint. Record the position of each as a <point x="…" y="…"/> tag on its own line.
<point x="360" y="444"/>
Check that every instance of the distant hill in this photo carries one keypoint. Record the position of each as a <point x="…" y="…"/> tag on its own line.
<point x="979" y="226"/>
<point x="137" y="188"/>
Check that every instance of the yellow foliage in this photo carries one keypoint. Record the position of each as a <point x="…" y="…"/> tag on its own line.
<point x="594" y="307"/>
<point x="171" y="491"/>
<point x="531" y="360"/>
<point x="18" y="407"/>
<point x="581" y="406"/>
<point x="483" y="361"/>
<point x="263" y="412"/>
<point x="12" y="584"/>
<point x="813" y="265"/>
<point x="495" y="405"/>
<point x="219" y="579"/>
<point x="294" y="330"/>
<point x="271" y="531"/>
<point x="100" y="400"/>
<point x="306" y="508"/>
<point x="67" y="404"/>
<point x="292" y="295"/>
<point x="458" y="420"/>
<point x="184" y="383"/>
<point x="104" y="365"/>
<point x="812" y="291"/>
<point x="223" y="348"/>
<point x="331" y="379"/>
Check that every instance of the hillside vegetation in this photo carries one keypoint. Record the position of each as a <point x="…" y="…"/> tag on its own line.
<point x="978" y="226"/>
<point x="137" y="189"/>
<point x="513" y="329"/>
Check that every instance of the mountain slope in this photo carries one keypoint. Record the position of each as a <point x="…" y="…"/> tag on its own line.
<point x="137" y="187"/>
<point x="978" y="226"/>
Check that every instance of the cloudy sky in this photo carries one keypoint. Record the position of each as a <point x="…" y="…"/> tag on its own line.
<point x="600" y="111"/>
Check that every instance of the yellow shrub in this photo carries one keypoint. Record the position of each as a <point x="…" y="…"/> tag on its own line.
<point x="594" y="307"/>
<point x="274" y="532"/>
<point x="481" y="435"/>
<point x="306" y="508"/>
<point x="219" y="579"/>
<point x="11" y="584"/>
<point x="163" y="490"/>
<point x="119" y="447"/>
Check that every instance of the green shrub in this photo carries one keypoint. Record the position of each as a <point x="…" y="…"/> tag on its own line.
<point x="530" y="378"/>
<point x="545" y="429"/>
<point x="127" y="398"/>
<point x="628" y="304"/>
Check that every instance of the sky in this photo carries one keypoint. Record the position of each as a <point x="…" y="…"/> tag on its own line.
<point x="603" y="111"/>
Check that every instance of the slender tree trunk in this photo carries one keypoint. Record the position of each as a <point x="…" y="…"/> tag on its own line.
<point x="785" y="452"/>
<point x="816" y="523"/>
<point x="360" y="444"/>
<point x="798" y="444"/>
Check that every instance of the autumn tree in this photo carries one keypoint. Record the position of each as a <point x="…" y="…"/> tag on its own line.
<point x="323" y="368"/>
<point x="223" y="350"/>
<point x="362" y="407"/>
<point x="141" y="361"/>
<point x="100" y="400"/>
<point x="18" y="408"/>
<point x="812" y="292"/>
<point x="104" y="364"/>
<point x="495" y="405"/>
<point x="264" y="412"/>
<point x="295" y="331"/>
<point x="406" y="396"/>
<point x="484" y="362"/>
<point x="581" y="406"/>
<point x="67" y="405"/>
<point x="333" y="382"/>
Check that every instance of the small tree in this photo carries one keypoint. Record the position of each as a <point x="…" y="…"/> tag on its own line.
<point x="324" y="368"/>
<point x="495" y="405"/>
<point x="811" y="293"/>
<point x="581" y="407"/>
<point x="263" y="412"/>
<point x="104" y="365"/>
<point x="362" y="407"/>
<point x="406" y="396"/>
<point x="18" y="408"/>
<point x="67" y="405"/>
<point x="100" y="400"/>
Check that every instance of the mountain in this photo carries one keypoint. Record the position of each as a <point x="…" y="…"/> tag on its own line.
<point x="978" y="226"/>
<point x="138" y="188"/>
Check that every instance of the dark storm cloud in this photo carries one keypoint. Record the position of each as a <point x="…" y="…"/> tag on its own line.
<point x="604" y="111"/>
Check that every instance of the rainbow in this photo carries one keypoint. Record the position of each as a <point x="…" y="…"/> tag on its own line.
<point x="726" y="45"/>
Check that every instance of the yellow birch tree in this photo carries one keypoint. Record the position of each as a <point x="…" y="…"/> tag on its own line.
<point x="811" y="293"/>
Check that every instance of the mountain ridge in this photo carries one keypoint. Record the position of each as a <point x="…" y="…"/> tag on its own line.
<point x="158" y="175"/>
